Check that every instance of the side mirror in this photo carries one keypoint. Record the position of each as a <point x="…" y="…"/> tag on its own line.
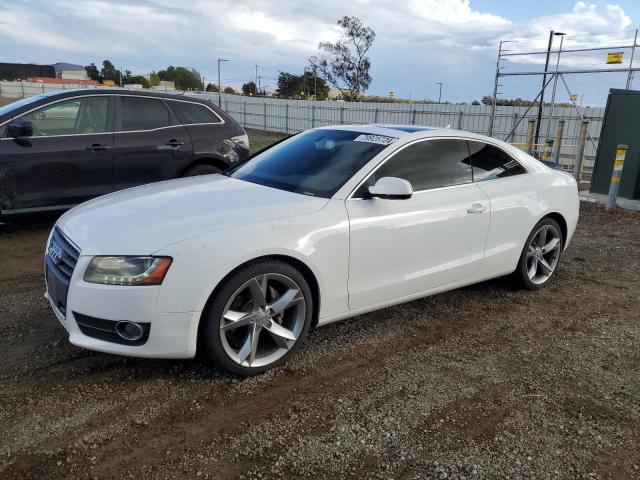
<point x="391" y="188"/>
<point x="20" y="128"/>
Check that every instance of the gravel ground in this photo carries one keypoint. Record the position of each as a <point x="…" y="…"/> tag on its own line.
<point x="483" y="382"/>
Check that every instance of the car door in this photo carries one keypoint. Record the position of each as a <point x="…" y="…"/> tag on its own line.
<point x="506" y="182"/>
<point x="150" y="144"/>
<point x="400" y="248"/>
<point x="67" y="160"/>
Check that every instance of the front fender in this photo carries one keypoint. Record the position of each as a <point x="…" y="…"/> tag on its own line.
<point x="319" y="240"/>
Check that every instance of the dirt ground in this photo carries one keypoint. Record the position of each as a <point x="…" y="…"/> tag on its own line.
<point x="484" y="382"/>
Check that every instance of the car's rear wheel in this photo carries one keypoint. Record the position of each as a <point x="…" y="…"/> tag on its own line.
<point x="258" y="318"/>
<point x="541" y="255"/>
<point x="204" y="169"/>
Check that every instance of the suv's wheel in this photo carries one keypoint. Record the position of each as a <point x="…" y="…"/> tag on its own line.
<point x="258" y="318"/>
<point x="541" y="255"/>
<point x="201" y="170"/>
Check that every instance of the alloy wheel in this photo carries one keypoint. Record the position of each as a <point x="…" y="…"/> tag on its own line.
<point x="543" y="254"/>
<point x="262" y="320"/>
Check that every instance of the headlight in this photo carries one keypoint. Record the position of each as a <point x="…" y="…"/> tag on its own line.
<point x="127" y="270"/>
<point x="241" y="141"/>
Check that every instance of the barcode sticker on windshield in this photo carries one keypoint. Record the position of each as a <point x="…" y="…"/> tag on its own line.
<point x="379" y="139"/>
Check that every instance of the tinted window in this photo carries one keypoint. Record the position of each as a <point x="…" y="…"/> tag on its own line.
<point x="429" y="164"/>
<point x="315" y="163"/>
<point x="188" y="113"/>
<point x="140" y="113"/>
<point x="75" y="116"/>
<point x="490" y="162"/>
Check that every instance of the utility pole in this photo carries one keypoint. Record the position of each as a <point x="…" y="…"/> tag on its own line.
<point x="219" y="84"/>
<point x="120" y="76"/>
<point x="440" y="94"/>
<point x="256" y="84"/>
<point x="315" y="85"/>
<point x="260" y="77"/>
<point x="544" y="82"/>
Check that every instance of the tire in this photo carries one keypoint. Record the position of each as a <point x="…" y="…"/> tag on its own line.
<point x="267" y="298"/>
<point x="538" y="261"/>
<point x="204" y="169"/>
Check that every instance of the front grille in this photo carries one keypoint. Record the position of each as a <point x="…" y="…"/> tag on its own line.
<point x="62" y="255"/>
<point x="105" y="330"/>
<point x="60" y="260"/>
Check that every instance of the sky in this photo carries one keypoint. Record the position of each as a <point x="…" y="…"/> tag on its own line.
<point x="418" y="42"/>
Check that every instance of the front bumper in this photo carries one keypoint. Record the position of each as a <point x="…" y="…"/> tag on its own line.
<point x="171" y="335"/>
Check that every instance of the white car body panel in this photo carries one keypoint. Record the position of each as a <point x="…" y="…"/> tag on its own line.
<point x="363" y="254"/>
<point x="386" y="235"/>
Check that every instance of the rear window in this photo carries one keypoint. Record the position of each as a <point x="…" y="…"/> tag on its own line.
<point x="140" y="113"/>
<point x="189" y="113"/>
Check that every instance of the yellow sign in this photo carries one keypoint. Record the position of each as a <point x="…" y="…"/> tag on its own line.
<point x="574" y="98"/>
<point x="615" y="57"/>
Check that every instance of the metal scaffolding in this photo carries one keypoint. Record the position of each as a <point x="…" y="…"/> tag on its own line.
<point x="554" y="75"/>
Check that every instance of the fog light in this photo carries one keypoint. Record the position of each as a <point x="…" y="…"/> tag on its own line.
<point x="129" y="331"/>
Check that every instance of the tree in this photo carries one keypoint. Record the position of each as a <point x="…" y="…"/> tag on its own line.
<point x="127" y="78"/>
<point x="229" y="90"/>
<point x="249" y="88"/>
<point x="109" y="72"/>
<point x="475" y="102"/>
<point x="487" y="100"/>
<point x="302" y="86"/>
<point x="212" y="88"/>
<point x="92" y="72"/>
<point x="184" y="78"/>
<point x="345" y="64"/>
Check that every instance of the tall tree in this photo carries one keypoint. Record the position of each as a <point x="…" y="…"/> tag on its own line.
<point x="249" y="88"/>
<point x="109" y="72"/>
<point x="92" y="72"/>
<point x="184" y="78"/>
<point x="345" y="64"/>
<point x="305" y="86"/>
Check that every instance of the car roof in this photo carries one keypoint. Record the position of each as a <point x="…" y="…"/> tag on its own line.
<point x="408" y="133"/>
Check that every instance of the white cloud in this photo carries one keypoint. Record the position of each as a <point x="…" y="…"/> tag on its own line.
<point x="418" y="42"/>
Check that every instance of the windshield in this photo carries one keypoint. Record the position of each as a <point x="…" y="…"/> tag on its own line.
<point x="315" y="163"/>
<point x="25" y="101"/>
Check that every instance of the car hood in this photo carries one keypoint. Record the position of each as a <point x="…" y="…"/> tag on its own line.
<point x="143" y="220"/>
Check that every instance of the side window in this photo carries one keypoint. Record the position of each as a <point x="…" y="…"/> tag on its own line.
<point x="490" y="162"/>
<point x="139" y="113"/>
<point x="76" y="116"/>
<point x="189" y="113"/>
<point x="430" y="164"/>
<point x="3" y="131"/>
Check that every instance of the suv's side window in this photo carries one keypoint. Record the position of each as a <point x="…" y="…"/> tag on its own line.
<point x="430" y="164"/>
<point x="190" y="113"/>
<point x="71" y="117"/>
<point x="491" y="162"/>
<point x="140" y="113"/>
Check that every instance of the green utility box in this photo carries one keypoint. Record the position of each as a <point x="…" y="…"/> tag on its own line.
<point x="621" y="126"/>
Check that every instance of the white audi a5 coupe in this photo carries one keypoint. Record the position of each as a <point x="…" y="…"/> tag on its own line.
<point x="328" y="224"/>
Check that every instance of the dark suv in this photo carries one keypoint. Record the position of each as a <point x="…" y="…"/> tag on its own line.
<point x="60" y="149"/>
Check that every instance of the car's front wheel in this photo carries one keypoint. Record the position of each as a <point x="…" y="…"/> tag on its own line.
<point x="541" y="255"/>
<point x="258" y="318"/>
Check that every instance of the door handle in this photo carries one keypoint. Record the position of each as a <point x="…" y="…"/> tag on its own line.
<point x="174" y="143"/>
<point x="96" y="147"/>
<point x="476" y="208"/>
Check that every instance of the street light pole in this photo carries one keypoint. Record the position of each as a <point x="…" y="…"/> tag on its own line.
<point x="440" y="94"/>
<point x="219" y="84"/>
